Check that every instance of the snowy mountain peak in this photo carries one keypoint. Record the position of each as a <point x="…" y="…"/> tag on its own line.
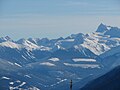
<point x="26" y="43"/>
<point x="113" y="32"/>
<point x="77" y="35"/>
<point x="102" y="28"/>
<point x="108" y="30"/>
<point x="21" y="41"/>
<point x="6" y="38"/>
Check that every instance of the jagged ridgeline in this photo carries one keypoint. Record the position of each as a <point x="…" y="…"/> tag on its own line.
<point x="50" y="64"/>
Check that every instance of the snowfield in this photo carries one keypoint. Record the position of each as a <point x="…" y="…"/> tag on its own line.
<point x="83" y="65"/>
<point x="47" y="64"/>
<point x="83" y="60"/>
<point x="54" y="59"/>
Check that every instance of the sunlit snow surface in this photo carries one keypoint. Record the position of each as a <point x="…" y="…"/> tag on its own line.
<point x="47" y="64"/>
<point x="10" y="44"/>
<point x="83" y="65"/>
<point x="18" y="65"/>
<point x="84" y="60"/>
<point x="5" y="78"/>
<point x="54" y="59"/>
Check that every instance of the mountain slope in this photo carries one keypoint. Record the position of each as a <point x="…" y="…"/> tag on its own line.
<point x="111" y="58"/>
<point x="109" y="81"/>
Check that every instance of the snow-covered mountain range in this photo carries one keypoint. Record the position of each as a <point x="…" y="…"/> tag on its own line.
<point x="51" y="63"/>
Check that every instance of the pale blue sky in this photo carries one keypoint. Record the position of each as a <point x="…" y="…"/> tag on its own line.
<point x="55" y="18"/>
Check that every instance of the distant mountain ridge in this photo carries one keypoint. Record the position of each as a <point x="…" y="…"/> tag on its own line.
<point x="78" y="57"/>
<point x="108" y="30"/>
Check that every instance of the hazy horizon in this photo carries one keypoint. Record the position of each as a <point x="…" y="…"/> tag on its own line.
<point x="53" y="19"/>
